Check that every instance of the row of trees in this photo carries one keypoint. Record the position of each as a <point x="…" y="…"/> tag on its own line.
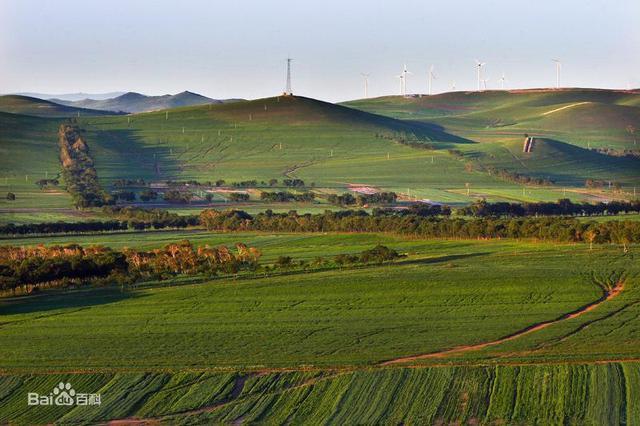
<point x="124" y="218"/>
<point x="561" y="229"/>
<point x="420" y="220"/>
<point x="563" y="207"/>
<point x="20" y="266"/>
<point x="348" y="199"/>
<point x="511" y="176"/>
<point x="238" y="196"/>
<point x="378" y="255"/>
<point x="285" y="196"/>
<point x="78" y="171"/>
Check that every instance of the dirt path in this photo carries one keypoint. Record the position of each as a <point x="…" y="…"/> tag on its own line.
<point x="564" y="107"/>
<point x="608" y="295"/>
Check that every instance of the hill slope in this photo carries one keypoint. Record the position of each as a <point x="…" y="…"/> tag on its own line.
<point x="584" y="117"/>
<point x="17" y="104"/>
<point x="332" y="147"/>
<point x="270" y="138"/>
<point x="135" y="102"/>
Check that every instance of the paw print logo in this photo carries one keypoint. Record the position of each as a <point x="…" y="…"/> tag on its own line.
<point x="64" y="394"/>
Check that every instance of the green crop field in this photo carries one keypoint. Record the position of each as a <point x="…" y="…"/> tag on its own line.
<point x="308" y="346"/>
<point x="550" y="395"/>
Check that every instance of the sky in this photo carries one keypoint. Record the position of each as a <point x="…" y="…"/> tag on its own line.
<point x="237" y="49"/>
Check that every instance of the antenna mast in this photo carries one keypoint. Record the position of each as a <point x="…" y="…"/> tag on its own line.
<point x="288" y="90"/>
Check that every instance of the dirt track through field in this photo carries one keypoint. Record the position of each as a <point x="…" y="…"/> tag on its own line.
<point x="564" y="107"/>
<point x="608" y="295"/>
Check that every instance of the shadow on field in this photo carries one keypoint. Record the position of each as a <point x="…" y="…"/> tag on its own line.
<point x="58" y="299"/>
<point x="125" y="154"/>
<point x="441" y="259"/>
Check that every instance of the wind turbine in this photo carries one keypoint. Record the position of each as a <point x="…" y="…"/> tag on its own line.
<point x="366" y="84"/>
<point x="484" y="83"/>
<point x="479" y="66"/>
<point x="404" y="74"/>
<point x="558" y="67"/>
<point x="401" y="77"/>
<point x="453" y="85"/>
<point x="432" y="76"/>
<point x="502" y="80"/>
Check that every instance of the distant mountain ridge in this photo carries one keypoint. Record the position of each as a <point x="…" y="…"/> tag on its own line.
<point x="25" y="105"/>
<point x="71" y="96"/>
<point x="133" y="102"/>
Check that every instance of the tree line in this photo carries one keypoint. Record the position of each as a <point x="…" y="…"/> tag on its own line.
<point x="421" y="221"/>
<point x="285" y="196"/>
<point x="563" y="207"/>
<point x="61" y="265"/>
<point x="561" y="229"/>
<point x="348" y="199"/>
<point x="78" y="171"/>
<point x="124" y="218"/>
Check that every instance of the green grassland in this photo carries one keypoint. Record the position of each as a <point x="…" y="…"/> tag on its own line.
<point x="567" y="121"/>
<point x="305" y="347"/>
<point x="578" y="116"/>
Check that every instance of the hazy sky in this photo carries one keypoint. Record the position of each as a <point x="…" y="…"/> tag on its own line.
<point x="237" y="48"/>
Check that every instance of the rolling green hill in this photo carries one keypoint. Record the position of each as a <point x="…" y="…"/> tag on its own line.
<point x="25" y="105"/>
<point x="584" y="117"/>
<point x="444" y="159"/>
<point x="279" y="137"/>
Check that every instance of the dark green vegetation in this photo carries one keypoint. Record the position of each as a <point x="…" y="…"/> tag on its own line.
<point x="25" y="270"/>
<point x="78" y="171"/>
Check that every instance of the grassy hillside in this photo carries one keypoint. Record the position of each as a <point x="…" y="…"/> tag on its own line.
<point x="25" y="105"/>
<point x="329" y="145"/>
<point x="334" y="147"/>
<point x="299" y="137"/>
<point x="585" y="117"/>
<point x="29" y="152"/>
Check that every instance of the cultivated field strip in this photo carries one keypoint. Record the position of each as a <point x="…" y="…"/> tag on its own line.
<point x="585" y="394"/>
